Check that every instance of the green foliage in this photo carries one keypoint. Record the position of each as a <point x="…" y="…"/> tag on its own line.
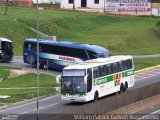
<point x="4" y="71"/>
<point x="146" y="62"/>
<point x="158" y="26"/>
<point x="29" y="80"/>
<point x="22" y="94"/>
<point x="120" y="34"/>
<point x="24" y="87"/>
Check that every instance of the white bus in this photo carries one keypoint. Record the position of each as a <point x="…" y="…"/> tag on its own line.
<point x="96" y="78"/>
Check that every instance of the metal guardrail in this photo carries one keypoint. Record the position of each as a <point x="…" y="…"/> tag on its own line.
<point x="110" y="103"/>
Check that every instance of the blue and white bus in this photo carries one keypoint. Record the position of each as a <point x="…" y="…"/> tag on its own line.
<point x="6" y="51"/>
<point x="57" y="55"/>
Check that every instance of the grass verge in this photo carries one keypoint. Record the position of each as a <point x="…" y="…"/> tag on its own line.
<point x="146" y="62"/>
<point x="120" y="34"/>
<point x="24" y="87"/>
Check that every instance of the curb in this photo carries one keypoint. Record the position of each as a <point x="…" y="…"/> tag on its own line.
<point x="157" y="66"/>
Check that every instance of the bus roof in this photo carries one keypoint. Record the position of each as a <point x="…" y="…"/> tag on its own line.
<point x="4" y="39"/>
<point x="95" y="48"/>
<point x="98" y="62"/>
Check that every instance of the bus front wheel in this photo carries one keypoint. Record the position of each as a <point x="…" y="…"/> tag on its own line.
<point x="96" y="96"/>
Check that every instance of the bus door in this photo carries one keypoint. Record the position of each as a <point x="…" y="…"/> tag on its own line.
<point x="89" y="80"/>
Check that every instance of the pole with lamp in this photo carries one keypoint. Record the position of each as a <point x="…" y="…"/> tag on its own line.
<point x="73" y="4"/>
<point x="37" y="24"/>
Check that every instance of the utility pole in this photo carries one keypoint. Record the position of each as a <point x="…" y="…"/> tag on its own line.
<point x="73" y="4"/>
<point x="6" y="8"/>
<point x="37" y="24"/>
<point x="104" y="5"/>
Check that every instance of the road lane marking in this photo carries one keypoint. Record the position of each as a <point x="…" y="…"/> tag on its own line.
<point x="152" y="72"/>
<point x="49" y="97"/>
<point x="53" y="104"/>
<point x="24" y="113"/>
<point x="155" y="112"/>
<point x="138" y="76"/>
<point x="25" y="104"/>
<point x="146" y="77"/>
<point x="144" y="74"/>
<point x="147" y="116"/>
<point x="156" y="70"/>
<point x="41" y="108"/>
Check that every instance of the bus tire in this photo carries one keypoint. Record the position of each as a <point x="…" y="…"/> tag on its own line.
<point x="96" y="96"/>
<point x="44" y="65"/>
<point x="126" y="85"/>
<point x="122" y="88"/>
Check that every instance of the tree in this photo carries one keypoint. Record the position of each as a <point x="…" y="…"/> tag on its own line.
<point x="6" y="8"/>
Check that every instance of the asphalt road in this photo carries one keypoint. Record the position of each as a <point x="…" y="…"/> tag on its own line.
<point x="18" y="62"/>
<point x="152" y="113"/>
<point x="54" y="105"/>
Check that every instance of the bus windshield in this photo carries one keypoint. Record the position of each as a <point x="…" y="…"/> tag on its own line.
<point x="73" y="84"/>
<point x="102" y="55"/>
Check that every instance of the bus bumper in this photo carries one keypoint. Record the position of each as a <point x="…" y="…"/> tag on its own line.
<point x="74" y="98"/>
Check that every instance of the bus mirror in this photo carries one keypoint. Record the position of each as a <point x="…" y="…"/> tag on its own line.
<point x="58" y="79"/>
<point x="85" y="79"/>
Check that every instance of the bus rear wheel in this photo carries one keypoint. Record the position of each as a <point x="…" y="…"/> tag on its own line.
<point x="122" y="88"/>
<point x="45" y="66"/>
<point x="96" y="96"/>
<point x="126" y="85"/>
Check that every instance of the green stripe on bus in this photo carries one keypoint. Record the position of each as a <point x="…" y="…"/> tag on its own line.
<point x="127" y="73"/>
<point x="116" y="76"/>
<point x="106" y="79"/>
<point x="103" y="80"/>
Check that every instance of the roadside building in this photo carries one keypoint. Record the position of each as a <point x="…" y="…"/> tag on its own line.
<point x="47" y="1"/>
<point x="129" y="7"/>
<point x="15" y="3"/>
<point x="23" y="2"/>
<point x="68" y="4"/>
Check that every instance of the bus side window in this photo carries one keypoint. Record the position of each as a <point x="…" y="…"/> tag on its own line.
<point x="124" y="65"/>
<point x="129" y="64"/>
<point x="74" y="52"/>
<point x="95" y="72"/>
<point x="111" y="69"/>
<point x="92" y="55"/>
<point x="89" y="80"/>
<point x="101" y="70"/>
<point x="107" y="70"/>
<point x="119" y="66"/>
<point x="115" y="67"/>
